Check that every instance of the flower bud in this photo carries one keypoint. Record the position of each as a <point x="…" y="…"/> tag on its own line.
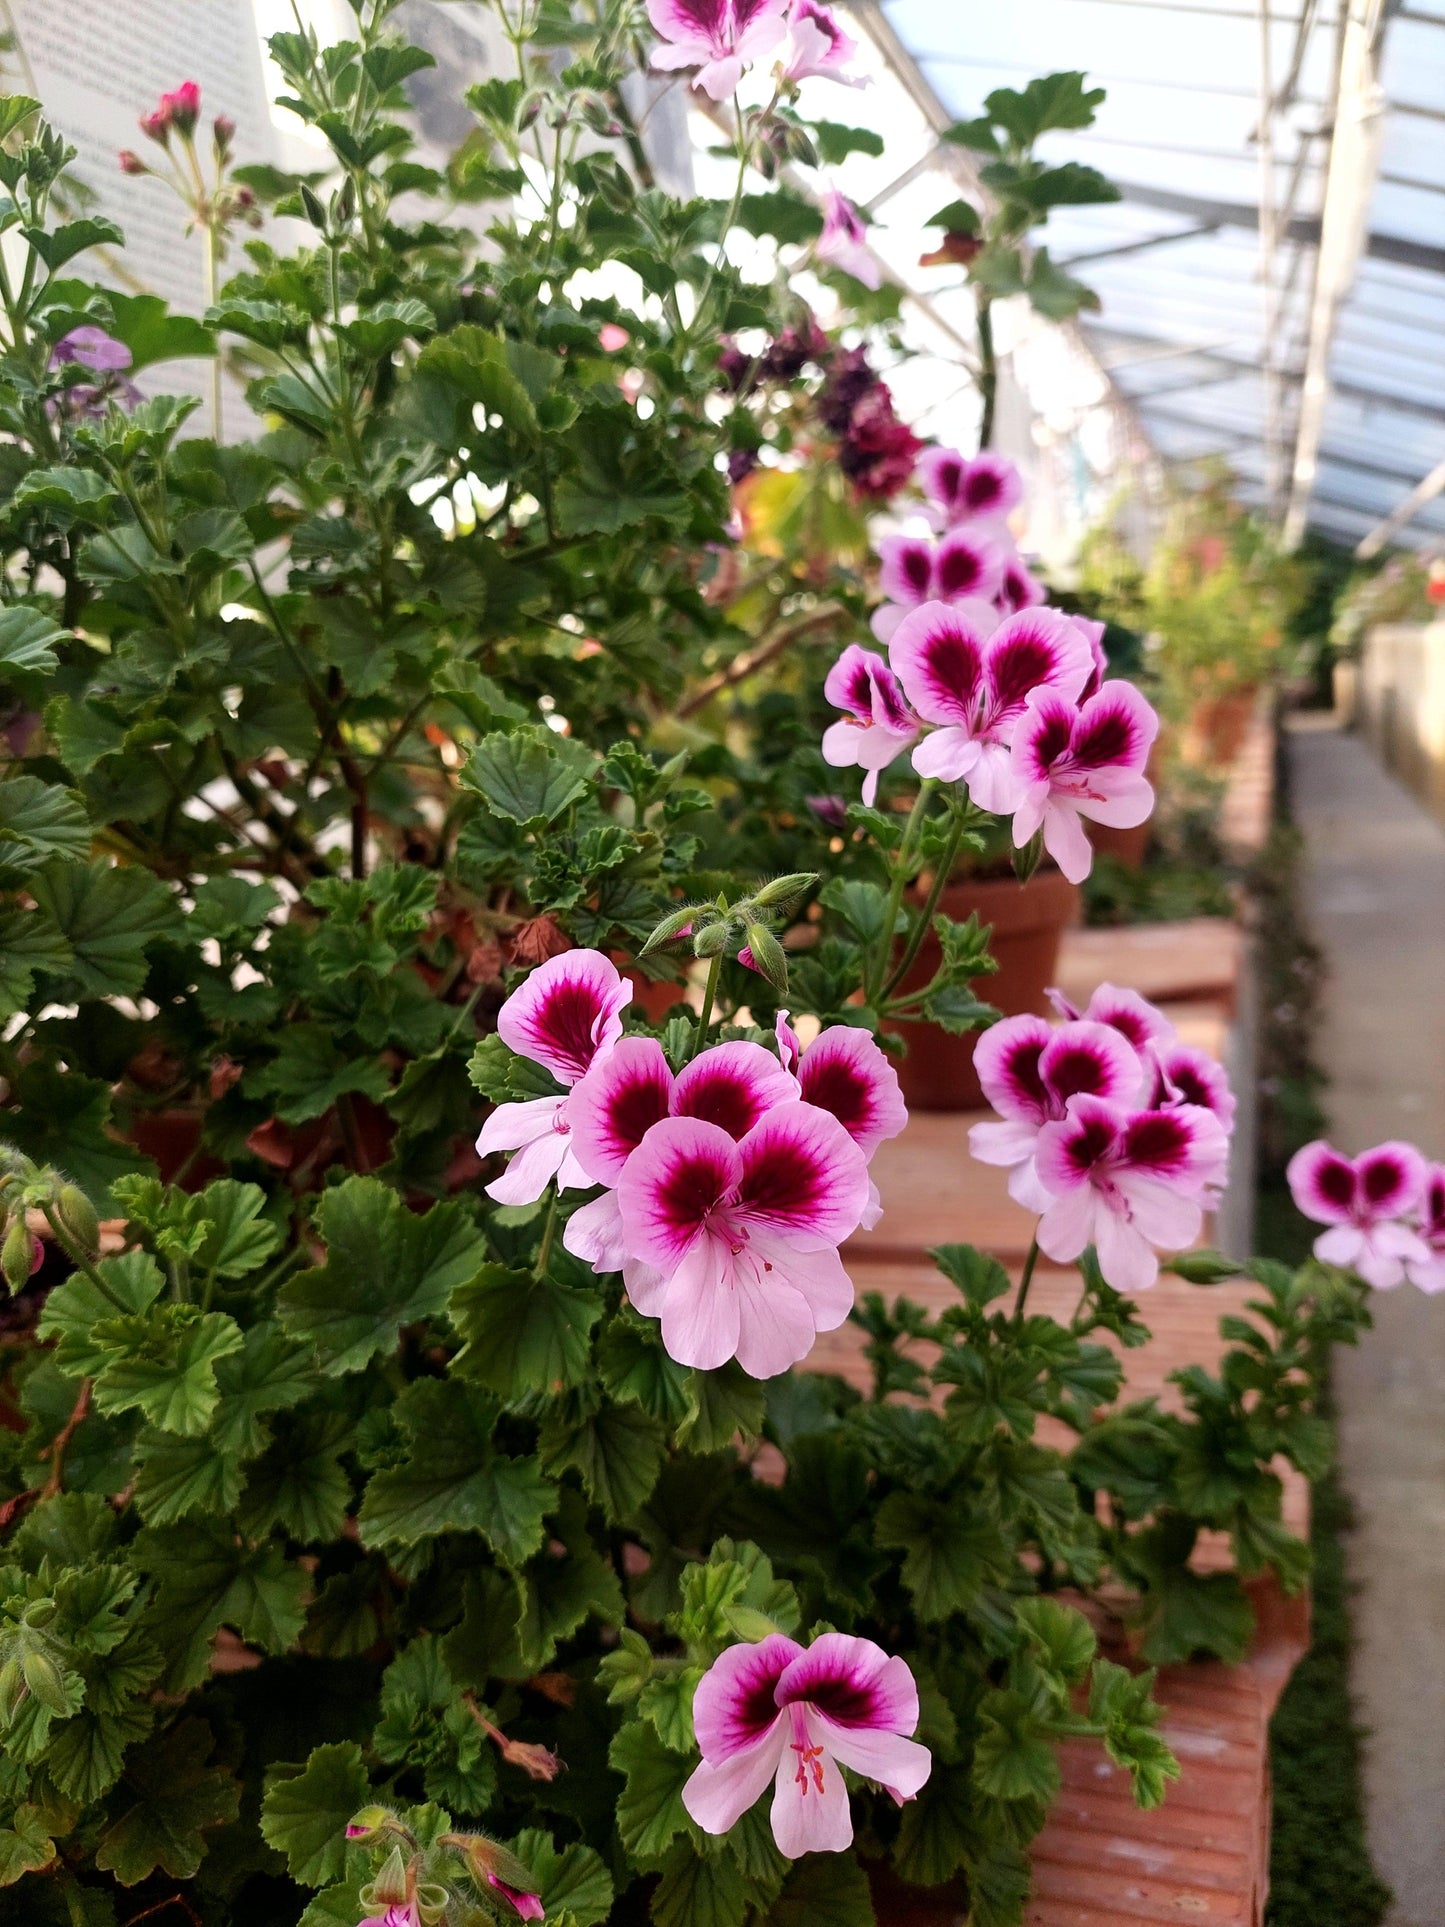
<point x="131" y="163"/>
<point x="783" y="893"/>
<point x="223" y="132"/>
<point x="12" y="1689"/>
<point x="712" y="939"/>
<point x="45" y="1680"/>
<point x="156" y="126"/>
<point x="77" y="1214"/>
<point x="16" y="1254"/>
<point x="679" y="924"/>
<point x="767" y="956"/>
<point x="369" y="1822"/>
<point x="183" y="106"/>
<point x="393" y="1884"/>
<point x="1203" y="1267"/>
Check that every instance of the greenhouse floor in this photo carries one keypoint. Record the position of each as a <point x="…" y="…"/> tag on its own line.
<point x="1374" y="892"/>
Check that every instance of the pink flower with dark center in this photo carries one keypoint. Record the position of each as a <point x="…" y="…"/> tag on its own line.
<point x="965" y="568"/>
<point x="905" y="575"/>
<point x="1429" y="1272"/>
<point x="817" y="45"/>
<point x="734" y="1246"/>
<point x="987" y="489"/>
<point x="844" y="1072"/>
<point x="1363" y="1201"/>
<point x="1029" y="1073"/>
<point x="566" y="1015"/>
<point x="1184" y="1074"/>
<point x="793" y="1716"/>
<point x="1018" y="589"/>
<point x="877" y="725"/>
<point x="974" y="683"/>
<point x="1127" y="1181"/>
<point x="844" y="241"/>
<point x="1124" y="1010"/>
<point x="1070" y="762"/>
<point x="733" y="1085"/>
<point x="718" y="37"/>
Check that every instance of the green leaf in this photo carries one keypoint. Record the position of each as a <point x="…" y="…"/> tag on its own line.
<point x="699" y="1890"/>
<point x="721" y="1404"/>
<point x="522" y="1334"/>
<point x="530" y="776"/>
<point x="1013" y="1755"/>
<point x="823" y="1890"/>
<point x="618" y="1450"/>
<point x="266" y="1375"/>
<point x="153" y="333"/>
<point x="76" y="1307"/>
<point x="311" y="1071"/>
<point x="786" y="216"/>
<point x="240" y="1239"/>
<point x="108" y="916"/>
<point x="1056" y="295"/>
<point x="30" y="946"/>
<point x="304" y="1815"/>
<point x="949" y="1556"/>
<point x="15" y="110"/>
<point x="650" y="1812"/>
<point x="206" y="1579"/>
<point x="959" y="217"/>
<point x="25" y="1844"/>
<point x="1051" y="101"/>
<point x="453" y="1479"/>
<point x="299" y="1482"/>
<point x="934" y="1834"/>
<point x="574" y="1886"/>
<point x="27" y="640"/>
<point x="635" y="1369"/>
<point x="476" y="364"/>
<point x="162" y="1362"/>
<point x="176" y="1476"/>
<point x="173" y="1797"/>
<point x="62" y="244"/>
<point x="980" y="1278"/>
<point x="385" y="1267"/>
<point x="836" y="142"/>
<point x="39" y="821"/>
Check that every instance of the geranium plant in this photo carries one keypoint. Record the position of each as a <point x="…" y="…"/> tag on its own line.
<point x="420" y="1186"/>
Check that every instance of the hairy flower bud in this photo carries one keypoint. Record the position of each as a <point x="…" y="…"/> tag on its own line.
<point x="16" y="1253"/>
<point x="45" y="1680"/>
<point x="131" y="162"/>
<point x="77" y="1214"/>
<point x="783" y="893"/>
<point x="368" y="1823"/>
<point x="12" y="1689"/>
<point x="767" y="957"/>
<point x="713" y="938"/>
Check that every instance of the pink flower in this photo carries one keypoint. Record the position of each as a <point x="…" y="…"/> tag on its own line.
<point x="986" y="489"/>
<point x="610" y="1112"/>
<point x="401" y="1913"/>
<point x="817" y="45"/>
<point x="844" y="1072"/>
<point x="91" y="348"/>
<point x="1429" y="1272"/>
<point x="844" y="241"/>
<point x="528" y="1906"/>
<point x="733" y="1245"/>
<point x="182" y="107"/>
<point x="1133" y="1016"/>
<point x="1126" y="1181"/>
<point x="1018" y="589"/>
<point x="777" y="1712"/>
<point x="718" y="37"/>
<point x="1029" y="1073"/>
<point x="1184" y="1074"/>
<point x="1363" y="1200"/>
<point x="610" y="337"/>
<point x="878" y="725"/>
<point x="966" y="567"/>
<point x="1069" y="762"/>
<point x="566" y="1015"/>
<point x="974" y="684"/>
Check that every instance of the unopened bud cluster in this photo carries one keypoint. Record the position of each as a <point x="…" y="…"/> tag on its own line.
<point x="418" y="1883"/>
<point x="742" y="930"/>
<point x="26" y="1187"/>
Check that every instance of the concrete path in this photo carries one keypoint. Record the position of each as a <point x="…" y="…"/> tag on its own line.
<point x="1375" y="895"/>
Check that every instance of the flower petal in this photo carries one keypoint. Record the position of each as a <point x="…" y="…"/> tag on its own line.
<point x="937" y="653"/>
<point x="511" y="1126"/>
<point x="1115" y="729"/>
<point x="1038" y="648"/>
<point x="1090" y="1059"/>
<point x="969" y="562"/>
<point x="1322" y="1184"/>
<point x="810" y="1811"/>
<point x="700" y="1309"/>
<point x="616" y="1104"/>
<point x="1066" y="840"/>
<point x="717" y="1796"/>
<point x="1126" y="1257"/>
<point x="594" y="1234"/>
<point x="843" y="1071"/>
<point x="733" y="1085"/>
<point x="735" y="1705"/>
<point x="531" y="1170"/>
<point x="680" y="1172"/>
<point x="905" y="571"/>
<point x="802" y="1177"/>
<point x="847" y="685"/>
<point x="566" y="1012"/>
<point x="1391" y="1179"/>
<point x="1007" y="1059"/>
<point x="854" y="1683"/>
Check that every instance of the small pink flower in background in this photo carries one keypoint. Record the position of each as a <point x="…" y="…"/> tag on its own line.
<point x="1364" y="1202"/>
<point x="734" y="1246"/>
<point x="527" y="1906"/>
<point x="92" y="348"/>
<point x="779" y="1712"/>
<point x="1184" y="1074"/>
<point x="878" y="724"/>
<point x="987" y="488"/>
<point x="974" y="685"/>
<point x="969" y="566"/>
<point x="1127" y="1181"/>
<point x="817" y="45"/>
<point x="1429" y="1272"/>
<point x="966" y="567"/>
<point x="905" y="575"/>
<point x="1029" y="1072"/>
<point x="611" y="337"/>
<point x="718" y="37"/>
<point x="843" y="243"/>
<point x="1069" y="762"/>
<point x="566" y="1014"/>
<point x="1019" y="589"/>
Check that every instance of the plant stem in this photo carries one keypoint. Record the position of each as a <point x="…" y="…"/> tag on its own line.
<point x="988" y="368"/>
<point x="78" y="1258"/>
<point x="704" y="1016"/>
<point x="1025" y="1282"/>
<point x="213" y="247"/>
<point x="900" y="883"/>
<point x="925" y="921"/>
<point x="549" y="1233"/>
<point x="58" y="1445"/>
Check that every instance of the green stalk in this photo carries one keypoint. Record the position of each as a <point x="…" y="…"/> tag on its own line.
<point x="714" y="971"/>
<point x="988" y="368"/>
<point x="78" y="1258"/>
<point x="900" y="883"/>
<point x="1025" y="1282"/>
<point x="549" y="1233"/>
<point x="925" y="921"/>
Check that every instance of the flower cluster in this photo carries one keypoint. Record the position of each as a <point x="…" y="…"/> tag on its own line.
<point x="727" y="1186"/>
<point x="1114" y="1130"/>
<point x="107" y="359"/>
<point x="410" y="1887"/>
<point x="721" y="39"/>
<point x="1011" y="694"/>
<point x="215" y="207"/>
<point x="876" y="451"/>
<point x="796" y="1716"/>
<point x="1385" y="1212"/>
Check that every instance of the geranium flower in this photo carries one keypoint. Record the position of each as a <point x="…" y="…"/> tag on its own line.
<point x="878" y="724"/>
<point x="974" y="684"/>
<point x="1429" y="1272"/>
<point x="1018" y="589"/>
<point x="401" y="1913"/>
<point x="526" y="1905"/>
<point x="1122" y="1009"/>
<point x="566" y="1015"/>
<point x="733" y="1246"/>
<point x="93" y="348"/>
<point x="1029" y="1071"/>
<point x="778" y="1712"/>
<point x="1126" y="1181"/>
<point x="1363" y="1200"/>
<point x="817" y="45"/>
<point x="843" y="1071"/>
<point x="718" y="37"/>
<point x="1069" y="762"/>
<point x="987" y="488"/>
<point x="733" y="1085"/>
<point x="844" y="241"/>
<point x="905" y="575"/>
<point x="1184" y="1074"/>
<point x="966" y="567"/>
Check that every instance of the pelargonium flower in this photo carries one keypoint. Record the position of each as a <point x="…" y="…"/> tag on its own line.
<point x="878" y="724"/>
<point x="1124" y="1010"/>
<point x="844" y="1072"/>
<point x="566" y="1015"/>
<point x="631" y="1088"/>
<point x="718" y="37"/>
<point x="1018" y="589"/>
<point x="794" y="1716"/>
<point x="1126" y="1181"/>
<point x="93" y="348"/>
<point x="1429" y="1272"/>
<point x="986" y="488"/>
<point x="974" y="685"/>
<point x="1363" y="1201"/>
<point x="400" y="1913"/>
<point x="1070" y="761"/>
<point x="182" y="106"/>
<point x="844" y="241"/>
<point x="1184" y="1074"/>
<point x="817" y="45"/>
<point x="734" y="1246"/>
<point x="1029" y="1072"/>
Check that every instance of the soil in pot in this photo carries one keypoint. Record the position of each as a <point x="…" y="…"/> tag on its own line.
<point x="1028" y="922"/>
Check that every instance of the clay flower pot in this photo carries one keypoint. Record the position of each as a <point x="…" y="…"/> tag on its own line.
<point x="1028" y="922"/>
<point x="1218" y="726"/>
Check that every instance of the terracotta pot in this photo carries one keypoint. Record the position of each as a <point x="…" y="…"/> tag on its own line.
<point x="896" y="1904"/>
<point x="1218" y="726"/>
<point x="1028" y="922"/>
<point x="171" y="1137"/>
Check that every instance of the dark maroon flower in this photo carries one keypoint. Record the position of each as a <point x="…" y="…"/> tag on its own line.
<point x="733" y="366"/>
<point x="741" y="463"/>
